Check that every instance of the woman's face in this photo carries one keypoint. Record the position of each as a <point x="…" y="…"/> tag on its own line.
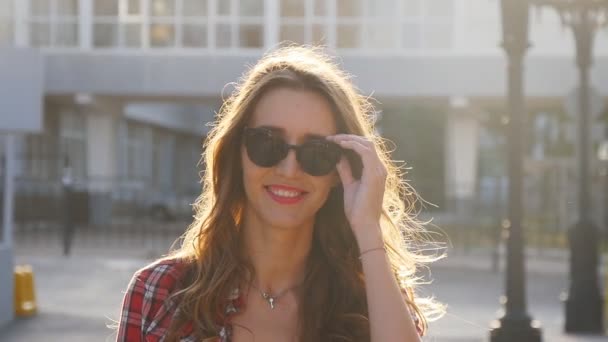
<point x="284" y="195"/>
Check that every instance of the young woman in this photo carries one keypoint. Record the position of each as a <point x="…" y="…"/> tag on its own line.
<point x="304" y="229"/>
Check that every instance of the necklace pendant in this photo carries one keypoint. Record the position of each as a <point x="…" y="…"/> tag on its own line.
<point x="270" y="299"/>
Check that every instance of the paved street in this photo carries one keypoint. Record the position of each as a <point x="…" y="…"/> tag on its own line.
<point x="472" y="298"/>
<point x="79" y="296"/>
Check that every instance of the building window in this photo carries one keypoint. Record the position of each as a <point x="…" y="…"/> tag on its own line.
<point x="412" y="8"/>
<point x="348" y="36"/>
<point x="194" y="35"/>
<point x="394" y="24"/>
<point x="158" y="159"/>
<point x="437" y="36"/>
<point x="349" y="24"/>
<point x="117" y="23"/>
<point x="240" y="24"/>
<point x="162" y="34"/>
<point x="304" y="22"/>
<point x="162" y="23"/>
<point x="194" y="8"/>
<point x="293" y="32"/>
<point x="163" y="160"/>
<point x="251" y="8"/>
<point x="53" y="23"/>
<point x="7" y="23"/>
<point x="178" y="23"/>
<point x="381" y="27"/>
<point x="408" y="127"/>
<point x="41" y="159"/>
<point x="223" y="38"/>
<point x="41" y="155"/>
<point x="439" y="8"/>
<point x="105" y="8"/>
<point x="349" y="8"/>
<point x="139" y="152"/>
<point x="251" y="36"/>
<point x="187" y="170"/>
<point x="411" y="36"/>
<point x="194" y="24"/>
<point x="438" y="24"/>
<point x="73" y="135"/>
<point x="427" y="24"/>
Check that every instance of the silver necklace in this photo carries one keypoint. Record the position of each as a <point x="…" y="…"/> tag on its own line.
<point x="269" y="297"/>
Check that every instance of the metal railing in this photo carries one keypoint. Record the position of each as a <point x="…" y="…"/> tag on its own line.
<point x="114" y="213"/>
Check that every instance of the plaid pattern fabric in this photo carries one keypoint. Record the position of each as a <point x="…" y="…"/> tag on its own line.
<point x="147" y="311"/>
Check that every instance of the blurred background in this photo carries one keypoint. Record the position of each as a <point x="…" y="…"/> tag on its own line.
<point x="105" y="103"/>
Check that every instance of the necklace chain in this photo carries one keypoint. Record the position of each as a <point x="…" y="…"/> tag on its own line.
<point x="271" y="299"/>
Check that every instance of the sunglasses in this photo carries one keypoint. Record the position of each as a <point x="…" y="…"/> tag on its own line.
<point x="265" y="148"/>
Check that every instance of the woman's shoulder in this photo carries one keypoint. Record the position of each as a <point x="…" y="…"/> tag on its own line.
<point x="148" y="306"/>
<point x="161" y="274"/>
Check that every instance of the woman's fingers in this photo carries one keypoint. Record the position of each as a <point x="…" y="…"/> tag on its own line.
<point x="345" y="172"/>
<point x="364" y="148"/>
<point x="362" y="198"/>
<point x="347" y="137"/>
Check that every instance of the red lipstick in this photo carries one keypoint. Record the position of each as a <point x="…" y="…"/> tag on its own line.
<point x="283" y="194"/>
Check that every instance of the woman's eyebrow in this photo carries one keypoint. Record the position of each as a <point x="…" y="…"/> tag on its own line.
<point x="280" y="130"/>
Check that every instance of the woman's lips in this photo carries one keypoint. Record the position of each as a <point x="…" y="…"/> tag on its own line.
<point x="283" y="194"/>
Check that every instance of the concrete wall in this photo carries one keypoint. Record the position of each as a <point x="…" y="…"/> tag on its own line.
<point x="189" y="118"/>
<point x="6" y="284"/>
<point x="21" y="89"/>
<point x="21" y="97"/>
<point x="206" y="76"/>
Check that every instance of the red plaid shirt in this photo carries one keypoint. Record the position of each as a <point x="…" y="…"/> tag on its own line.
<point x="147" y="311"/>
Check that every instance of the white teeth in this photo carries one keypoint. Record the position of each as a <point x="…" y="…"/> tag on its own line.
<point x="285" y="193"/>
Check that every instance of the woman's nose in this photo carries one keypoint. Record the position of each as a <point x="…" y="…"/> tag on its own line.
<point x="289" y="166"/>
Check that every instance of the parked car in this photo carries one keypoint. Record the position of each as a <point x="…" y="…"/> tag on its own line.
<point x="170" y="206"/>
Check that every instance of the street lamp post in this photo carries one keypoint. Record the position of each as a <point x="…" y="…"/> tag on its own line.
<point x="602" y="156"/>
<point x="584" y="302"/>
<point x="516" y="324"/>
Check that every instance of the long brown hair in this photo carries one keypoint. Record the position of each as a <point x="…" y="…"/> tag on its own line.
<point x="335" y="309"/>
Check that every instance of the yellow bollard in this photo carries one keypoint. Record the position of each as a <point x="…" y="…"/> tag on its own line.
<point x="25" y="299"/>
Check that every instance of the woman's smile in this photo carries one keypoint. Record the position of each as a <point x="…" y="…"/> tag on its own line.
<point x="283" y="194"/>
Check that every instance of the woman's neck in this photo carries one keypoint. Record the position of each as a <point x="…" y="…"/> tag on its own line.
<point x="278" y="254"/>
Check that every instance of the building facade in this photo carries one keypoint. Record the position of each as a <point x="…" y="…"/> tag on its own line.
<point x="129" y="84"/>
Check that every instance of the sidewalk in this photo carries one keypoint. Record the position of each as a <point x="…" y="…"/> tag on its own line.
<point x="547" y="261"/>
<point x="470" y="287"/>
<point x="79" y="296"/>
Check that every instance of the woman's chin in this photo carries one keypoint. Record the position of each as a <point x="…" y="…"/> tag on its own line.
<point x="288" y="224"/>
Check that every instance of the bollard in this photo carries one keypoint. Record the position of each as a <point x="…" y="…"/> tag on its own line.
<point x="25" y="299"/>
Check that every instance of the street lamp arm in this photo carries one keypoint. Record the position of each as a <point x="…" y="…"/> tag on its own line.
<point x="585" y="18"/>
<point x="572" y="11"/>
<point x="571" y="3"/>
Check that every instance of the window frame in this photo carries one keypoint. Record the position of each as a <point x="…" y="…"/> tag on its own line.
<point x="53" y="19"/>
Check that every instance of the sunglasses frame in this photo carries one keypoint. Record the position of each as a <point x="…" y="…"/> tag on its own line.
<point x="285" y="147"/>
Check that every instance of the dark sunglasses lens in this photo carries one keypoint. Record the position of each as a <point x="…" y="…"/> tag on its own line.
<point x="263" y="148"/>
<point x="318" y="158"/>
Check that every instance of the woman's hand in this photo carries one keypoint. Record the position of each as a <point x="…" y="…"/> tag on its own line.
<point x="389" y="316"/>
<point x="362" y="197"/>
